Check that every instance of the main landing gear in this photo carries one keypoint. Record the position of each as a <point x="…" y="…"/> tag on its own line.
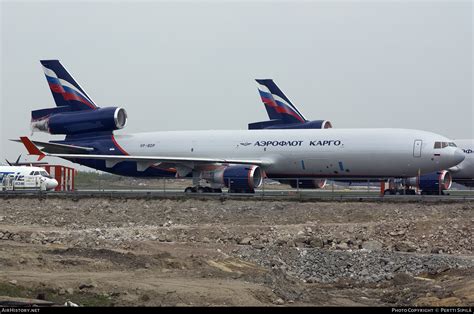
<point x="399" y="192"/>
<point x="206" y="189"/>
<point x="241" y="191"/>
<point x="431" y="192"/>
<point x="201" y="189"/>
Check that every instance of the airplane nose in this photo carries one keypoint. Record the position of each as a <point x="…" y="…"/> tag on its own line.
<point x="51" y="184"/>
<point x="458" y="156"/>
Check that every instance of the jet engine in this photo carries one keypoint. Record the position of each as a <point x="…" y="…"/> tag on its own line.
<point x="432" y="182"/>
<point x="279" y="124"/>
<point x="238" y="178"/>
<point x="55" y="121"/>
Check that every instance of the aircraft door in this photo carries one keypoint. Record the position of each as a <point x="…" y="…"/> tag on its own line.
<point x="417" y="148"/>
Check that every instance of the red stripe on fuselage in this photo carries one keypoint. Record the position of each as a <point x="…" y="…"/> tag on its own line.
<point x="119" y="147"/>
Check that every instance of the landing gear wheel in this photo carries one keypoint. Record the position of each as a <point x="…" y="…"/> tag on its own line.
<point x="189" y="190"/>
<point x="217" y="191"/>
<point x="200" y="189"/>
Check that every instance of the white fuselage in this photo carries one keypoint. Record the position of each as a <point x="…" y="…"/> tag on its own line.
<point x="465" y="170"/>
<point x="19" y="173"/>
<point x="307" y="153"/>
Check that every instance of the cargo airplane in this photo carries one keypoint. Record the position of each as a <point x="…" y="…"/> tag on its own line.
<point x="237" y="159"/>
<point x="283" y="114"/>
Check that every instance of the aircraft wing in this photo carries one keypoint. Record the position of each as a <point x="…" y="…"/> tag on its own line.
<point x="143" y="162"/>
<point x="169" y="159"/>
<point x="55" y="148"/>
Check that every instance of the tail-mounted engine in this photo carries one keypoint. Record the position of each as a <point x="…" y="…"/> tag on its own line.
<point x="64" y="121"/>
<point x="280" y="124"/>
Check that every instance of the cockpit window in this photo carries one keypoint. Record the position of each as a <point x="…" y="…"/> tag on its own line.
<point x="452" y="144"/>
<point x="438" y="145"/>
<point x="45" y="174"/>
<point x="31" y="173"/>
<point x="36" y="173"/>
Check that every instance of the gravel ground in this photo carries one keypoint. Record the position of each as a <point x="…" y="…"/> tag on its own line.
<point x="237" y="252"/>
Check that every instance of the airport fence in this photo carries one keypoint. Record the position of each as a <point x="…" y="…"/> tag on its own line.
<point x="270" y="187"/>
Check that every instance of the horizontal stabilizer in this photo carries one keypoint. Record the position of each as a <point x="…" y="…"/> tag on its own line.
<point x="32" y="149"/>
<point x="55" y="148"/>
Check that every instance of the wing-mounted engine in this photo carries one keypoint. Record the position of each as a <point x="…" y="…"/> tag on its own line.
<point x="432" y="183"/>
<point x="238" y="178"/>
<point x="62" y="120"/>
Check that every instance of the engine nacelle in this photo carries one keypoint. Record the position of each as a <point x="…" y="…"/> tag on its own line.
<point x="238" y="177"/>
<point x="279" y="124"/>
<point x="436" y="181"/>
<point x="84" y="121"/>
<point x="306" y="184"/>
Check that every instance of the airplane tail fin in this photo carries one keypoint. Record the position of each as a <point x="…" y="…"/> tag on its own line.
<point x="32" y="148"/>
<point x="278" y="106"/>
<point x="66" y="91"/>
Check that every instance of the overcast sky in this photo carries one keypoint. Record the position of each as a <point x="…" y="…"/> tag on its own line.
<point x="192" y="65"/>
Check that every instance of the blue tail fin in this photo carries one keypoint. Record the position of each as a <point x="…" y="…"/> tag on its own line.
<point x="278" y="106"/>
<point x="66" y="91"/>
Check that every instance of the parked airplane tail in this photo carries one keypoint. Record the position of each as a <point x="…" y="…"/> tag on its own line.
<point x="278" y="106"/>
<point x="281" y="111"/>
<point x="76" y="113"/>
<point x="66" y="91"/>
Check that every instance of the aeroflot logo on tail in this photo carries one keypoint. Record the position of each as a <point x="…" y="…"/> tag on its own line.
<point x="299" y="143"/>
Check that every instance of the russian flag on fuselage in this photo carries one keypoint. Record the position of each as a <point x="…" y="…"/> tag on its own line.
<point x="66" y="91"/>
